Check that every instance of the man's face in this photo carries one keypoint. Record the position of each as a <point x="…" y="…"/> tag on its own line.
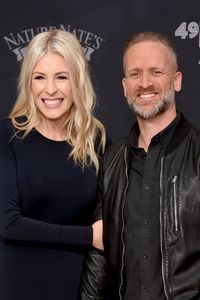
<point x="150" y="79"/>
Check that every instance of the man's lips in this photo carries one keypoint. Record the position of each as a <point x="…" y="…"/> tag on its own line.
<point x="147" y="95"/>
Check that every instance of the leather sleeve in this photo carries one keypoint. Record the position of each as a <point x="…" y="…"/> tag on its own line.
<point x="93" y="276"/>
<point x="93" y="280"/>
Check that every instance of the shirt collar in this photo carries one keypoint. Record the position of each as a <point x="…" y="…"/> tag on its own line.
<point x="163" y="137"/>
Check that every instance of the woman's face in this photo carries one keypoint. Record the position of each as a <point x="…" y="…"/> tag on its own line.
<point x="51" y="88"/>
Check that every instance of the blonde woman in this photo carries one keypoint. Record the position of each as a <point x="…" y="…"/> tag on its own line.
<point x="50" y="148"/>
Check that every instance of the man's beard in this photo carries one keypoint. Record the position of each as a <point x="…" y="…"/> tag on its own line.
<point x="165" y="102"/>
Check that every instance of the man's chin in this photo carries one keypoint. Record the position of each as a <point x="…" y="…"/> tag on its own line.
<point x="143" y="113"/>
<point x="148" y="114"/>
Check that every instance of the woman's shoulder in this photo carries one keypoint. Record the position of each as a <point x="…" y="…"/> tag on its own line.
<point x="108" y="140"/>
<point x="100" y="149"/>
<point x="7" y="130"/>
<point x="6" y="125"/>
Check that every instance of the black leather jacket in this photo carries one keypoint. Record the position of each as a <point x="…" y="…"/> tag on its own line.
<point x="179" y="220"/>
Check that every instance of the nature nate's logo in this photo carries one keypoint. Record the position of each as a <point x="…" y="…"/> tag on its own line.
<point x="17" y="42"/>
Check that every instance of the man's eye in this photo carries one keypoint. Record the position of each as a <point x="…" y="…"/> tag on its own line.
<point x="157" y="72"/>
<point x="134" y="74"/>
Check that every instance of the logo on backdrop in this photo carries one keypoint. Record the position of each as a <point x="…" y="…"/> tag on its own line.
<point x="17" y="42"/>
<point x="189" y="31"/>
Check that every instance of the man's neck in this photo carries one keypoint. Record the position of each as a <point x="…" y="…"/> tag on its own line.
<point x="150" y="127"/>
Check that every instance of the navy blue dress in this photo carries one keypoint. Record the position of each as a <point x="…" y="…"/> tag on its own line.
<point x="46" y="203"/>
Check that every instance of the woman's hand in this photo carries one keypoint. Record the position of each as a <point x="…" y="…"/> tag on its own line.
<point x="98" y="235"/>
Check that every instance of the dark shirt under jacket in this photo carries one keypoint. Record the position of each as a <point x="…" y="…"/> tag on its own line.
<point x="142" y="211"/>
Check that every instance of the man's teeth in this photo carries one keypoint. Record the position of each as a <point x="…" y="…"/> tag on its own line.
<point x="145" y="96"/>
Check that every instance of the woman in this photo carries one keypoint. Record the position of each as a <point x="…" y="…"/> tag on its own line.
<point x="49" y="157"/>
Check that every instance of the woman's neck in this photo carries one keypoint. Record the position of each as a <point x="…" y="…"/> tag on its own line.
<point x="52" y="130"/>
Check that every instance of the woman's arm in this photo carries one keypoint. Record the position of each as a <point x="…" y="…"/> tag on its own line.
<point x="14" y="226"/>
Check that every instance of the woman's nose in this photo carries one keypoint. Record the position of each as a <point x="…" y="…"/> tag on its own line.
<point x="51" y="87"/>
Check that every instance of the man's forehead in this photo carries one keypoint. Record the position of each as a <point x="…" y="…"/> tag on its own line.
<point x="148" y="53"/>
<point x="143" y="45"/>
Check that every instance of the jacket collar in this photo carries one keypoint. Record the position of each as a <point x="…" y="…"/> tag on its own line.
<point x="181" y="130"/>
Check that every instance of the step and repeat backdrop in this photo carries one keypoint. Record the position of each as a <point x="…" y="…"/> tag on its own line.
<point x="102" y="27"/>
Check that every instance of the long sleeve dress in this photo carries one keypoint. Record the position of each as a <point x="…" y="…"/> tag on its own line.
<point x="46" y="203"/>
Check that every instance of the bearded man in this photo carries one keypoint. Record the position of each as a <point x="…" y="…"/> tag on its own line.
<point x="149" y="188"/>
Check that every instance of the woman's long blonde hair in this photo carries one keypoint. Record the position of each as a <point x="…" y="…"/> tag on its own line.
<point x="82" y="126"/>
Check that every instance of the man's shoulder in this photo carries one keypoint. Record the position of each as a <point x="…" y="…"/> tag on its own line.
<point x="192" y="128"/>
<point x="195" y="134"/>
<point x="186" y="131"/>
<point x="116" y="150"/>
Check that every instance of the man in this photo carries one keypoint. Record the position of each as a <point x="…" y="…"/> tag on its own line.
<point x="149" y="188"/>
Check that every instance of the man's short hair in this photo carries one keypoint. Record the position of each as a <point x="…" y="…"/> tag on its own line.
<point x="150" y="36"/>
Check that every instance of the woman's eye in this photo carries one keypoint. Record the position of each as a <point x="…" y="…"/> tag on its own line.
<point x="38" y="77"/>
<point x="62" y="77"/>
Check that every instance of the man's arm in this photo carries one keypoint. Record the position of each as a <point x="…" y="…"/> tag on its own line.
<point x="93" y="280"/>
<point x="93" y="276"/>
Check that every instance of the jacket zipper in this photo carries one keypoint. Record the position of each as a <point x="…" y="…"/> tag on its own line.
<point x="122" y="231"/>
<point x="162" y="237"/>
<point x="175" y="205"/>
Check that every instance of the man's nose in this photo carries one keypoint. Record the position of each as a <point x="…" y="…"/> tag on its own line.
<point x="146" y="81"/>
